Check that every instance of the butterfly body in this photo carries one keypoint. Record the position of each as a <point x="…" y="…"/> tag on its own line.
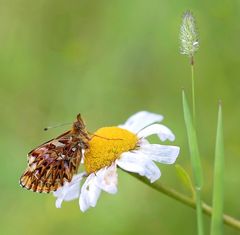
<point x="56" y="161"/>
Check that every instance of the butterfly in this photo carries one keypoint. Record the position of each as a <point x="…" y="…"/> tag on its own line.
<point x="55" y="162"/>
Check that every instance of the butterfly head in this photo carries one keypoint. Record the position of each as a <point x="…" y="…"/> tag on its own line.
<point x="78" y="125"/>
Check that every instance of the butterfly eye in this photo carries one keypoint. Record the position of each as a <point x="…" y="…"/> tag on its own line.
<point x="78" y="125"/>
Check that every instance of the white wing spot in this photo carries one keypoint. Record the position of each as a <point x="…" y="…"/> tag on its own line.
<point x="57" y="143"/>
<point x="31" y="160"/>
<point x="32" y="167"/>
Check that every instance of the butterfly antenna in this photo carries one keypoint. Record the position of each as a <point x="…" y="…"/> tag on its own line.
<point x="50" y="127"/>
<point x="102" y="137"/>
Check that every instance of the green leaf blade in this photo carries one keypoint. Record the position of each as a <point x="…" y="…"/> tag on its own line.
<point x="185" y="179"/>
<point x="193" y="145"/>
<point x="217" y="217"/>
<point x="195" y="161"/>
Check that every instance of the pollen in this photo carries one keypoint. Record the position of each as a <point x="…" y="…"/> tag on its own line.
<point x="106" y="145"/>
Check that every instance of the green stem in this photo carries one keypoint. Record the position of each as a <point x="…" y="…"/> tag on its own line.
<point x="197" y="189"/>
<point x="199" y="211"/>
<point x="193" y="92"/>
<point x="228" y="220"/>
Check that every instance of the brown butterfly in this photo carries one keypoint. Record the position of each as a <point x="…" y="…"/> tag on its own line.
<point x="56" y="161"/>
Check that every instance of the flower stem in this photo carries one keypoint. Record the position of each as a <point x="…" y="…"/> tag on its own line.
<point x="228" y="220"/>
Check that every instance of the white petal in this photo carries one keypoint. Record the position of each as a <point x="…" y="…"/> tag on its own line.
<point x="140" y="120"/>
<point x="107" y="179"/>
<point x="90" y="193"/>
<point x="161" y="153"/>
<point x="58" y="202"/>
<point x="162" y="131"/>
<point x="140" y="164"/>
<point x="142" y="141"/>
<point x="69" y="191"/>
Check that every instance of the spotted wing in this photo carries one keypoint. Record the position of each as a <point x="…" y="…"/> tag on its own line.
<point x="52" y="164"/>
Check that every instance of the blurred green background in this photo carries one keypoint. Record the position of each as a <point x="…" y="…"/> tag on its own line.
<point x="107" y="60"/>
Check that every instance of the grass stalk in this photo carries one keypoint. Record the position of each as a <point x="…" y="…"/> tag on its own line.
<point x="193" y="92"/>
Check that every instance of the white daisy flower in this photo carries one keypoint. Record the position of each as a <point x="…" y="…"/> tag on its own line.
<point x="126" y="147"/>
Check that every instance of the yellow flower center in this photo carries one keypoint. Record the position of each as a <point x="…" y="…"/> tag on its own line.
<point x="106" y="146"/>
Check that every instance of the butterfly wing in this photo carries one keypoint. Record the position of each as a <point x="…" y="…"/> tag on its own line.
<point x="52" y="164"/>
